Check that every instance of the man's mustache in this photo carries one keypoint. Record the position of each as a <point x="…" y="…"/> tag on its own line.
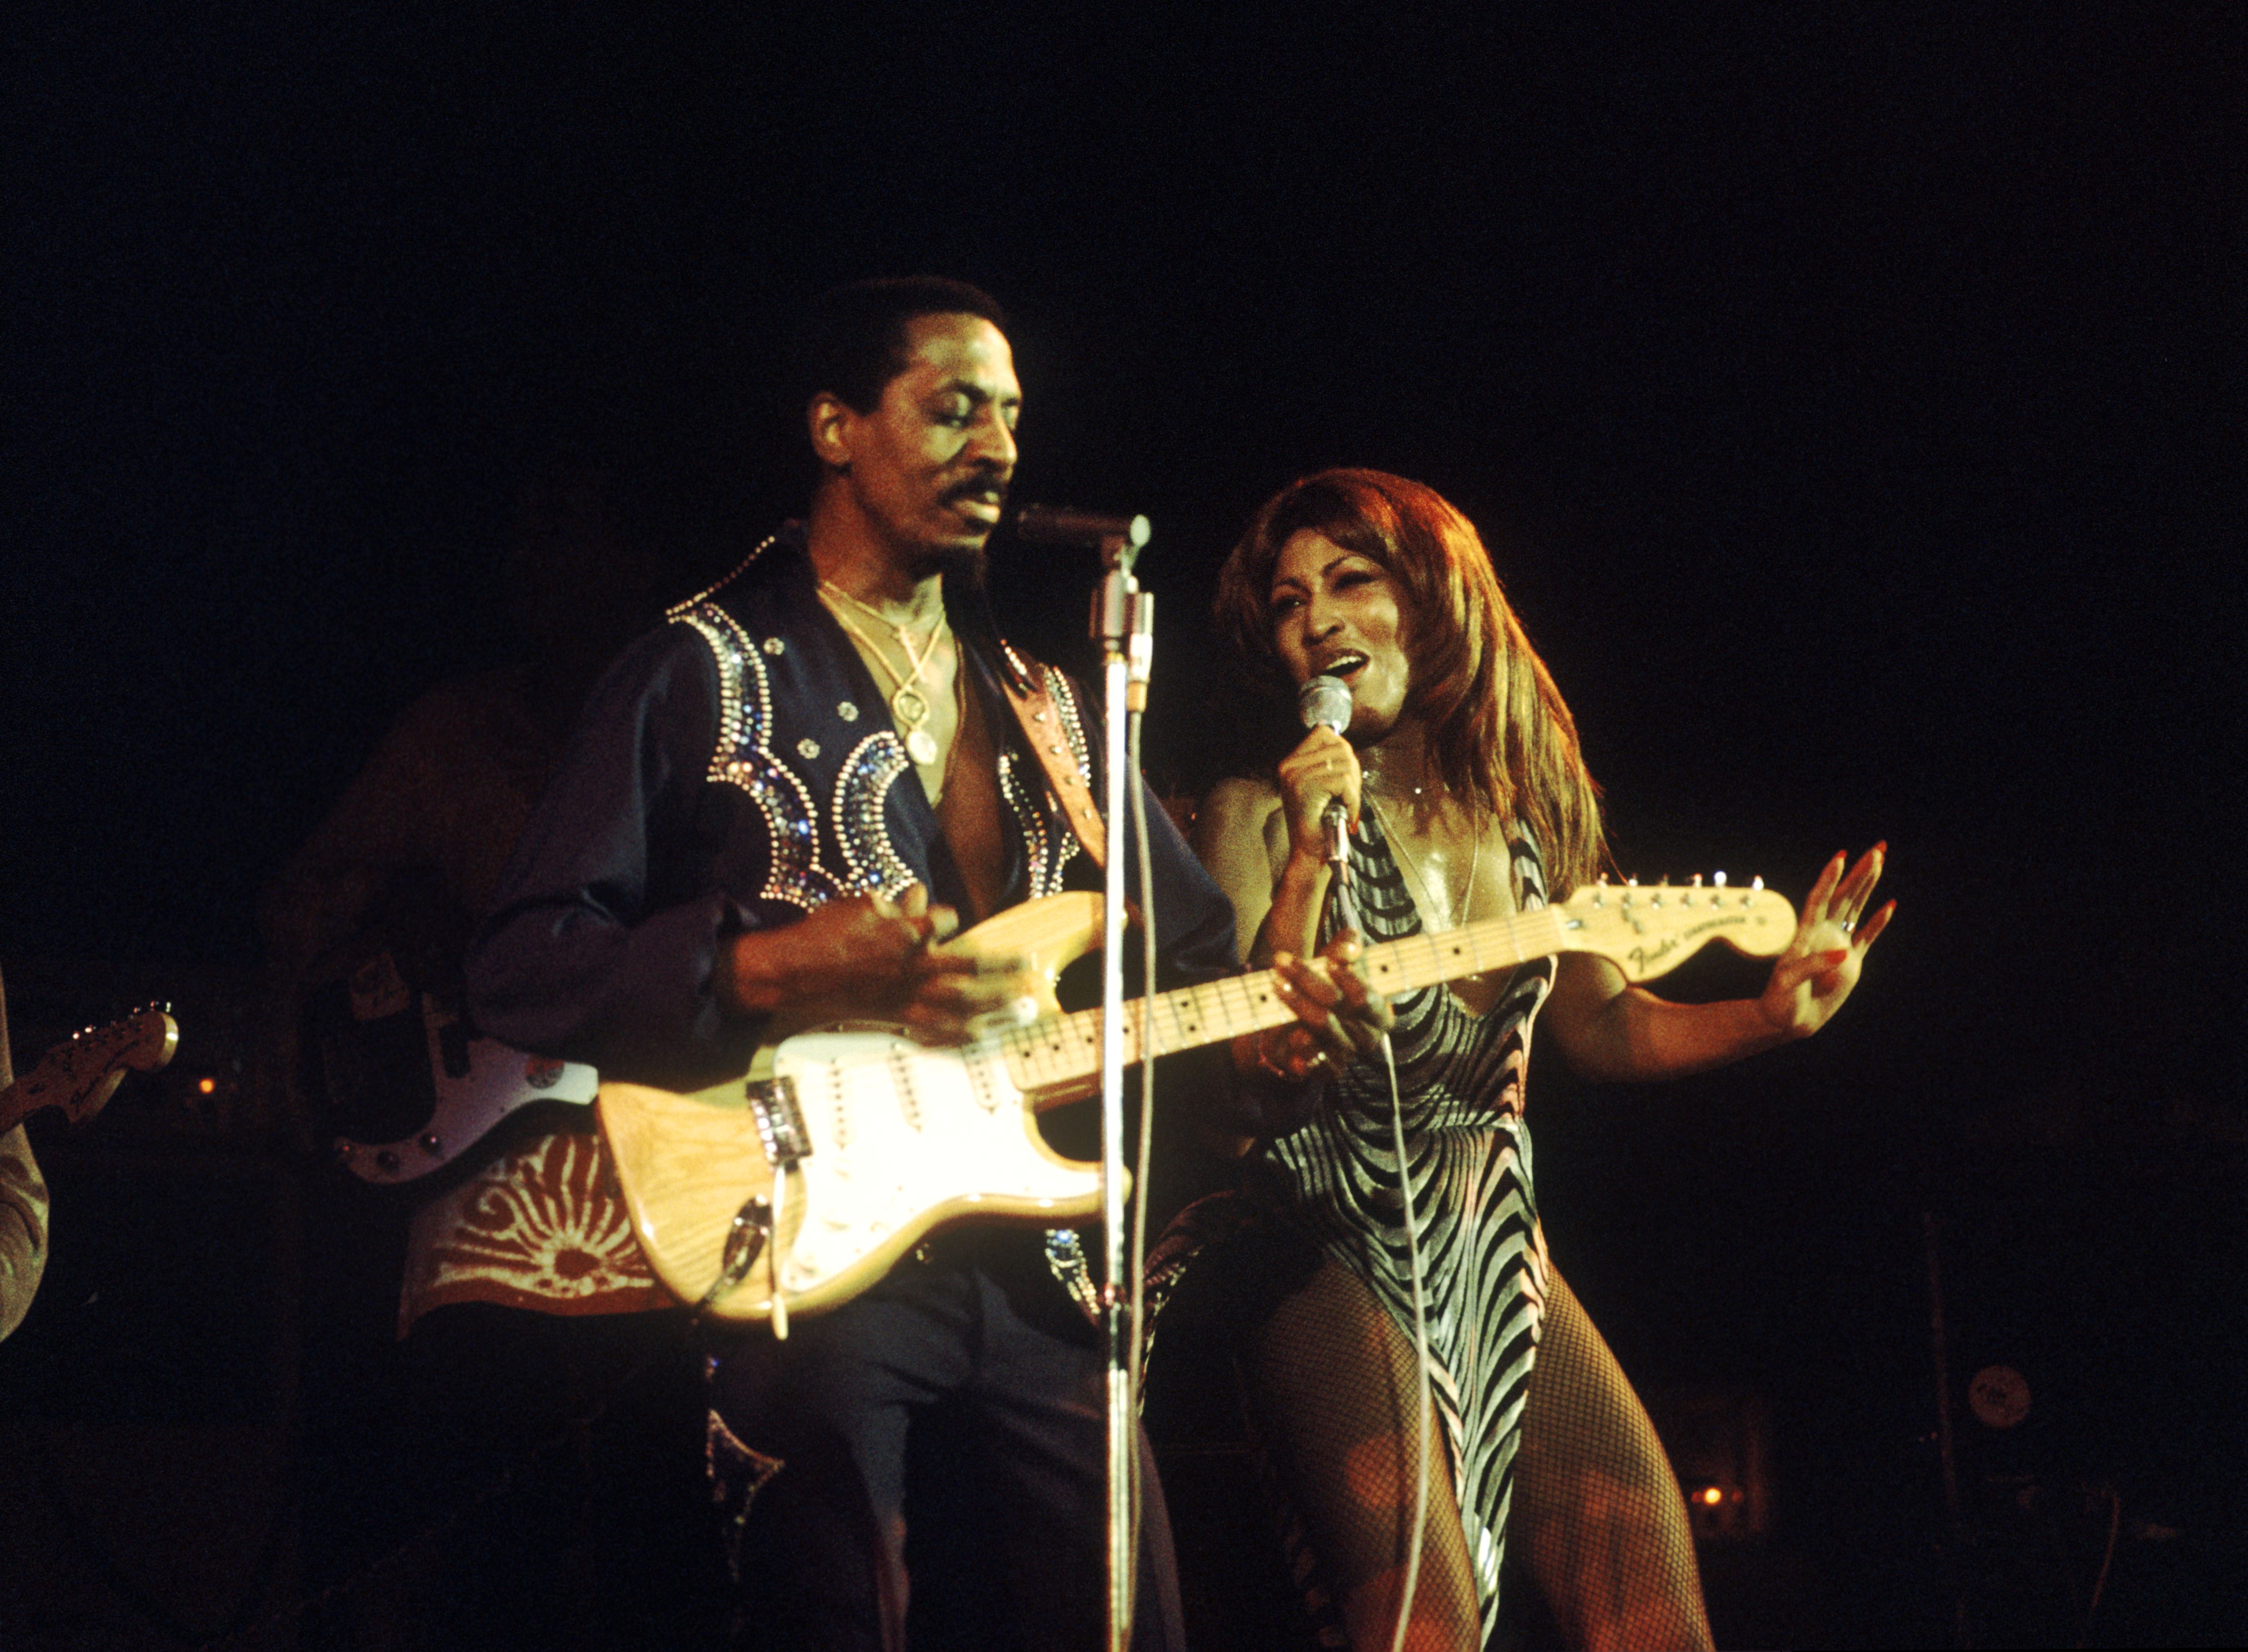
<point x="981" y="487"/>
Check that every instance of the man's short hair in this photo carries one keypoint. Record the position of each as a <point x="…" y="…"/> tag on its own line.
<point x="853" y="341"/>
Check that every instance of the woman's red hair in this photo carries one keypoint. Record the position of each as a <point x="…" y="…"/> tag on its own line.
<point x="1498" y="731"/>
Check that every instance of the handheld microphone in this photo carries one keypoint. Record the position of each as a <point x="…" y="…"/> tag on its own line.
<point x="1080" y="530"/>
<point x="1325" y="702"/>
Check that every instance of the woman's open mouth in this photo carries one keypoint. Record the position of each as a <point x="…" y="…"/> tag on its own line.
<point x="1346" y="665"/>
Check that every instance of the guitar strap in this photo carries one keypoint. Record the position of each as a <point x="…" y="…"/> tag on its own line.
<point x="1049" y="739"/>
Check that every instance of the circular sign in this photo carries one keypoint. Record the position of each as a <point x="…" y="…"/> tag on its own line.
<point x="1999" y="1395"/>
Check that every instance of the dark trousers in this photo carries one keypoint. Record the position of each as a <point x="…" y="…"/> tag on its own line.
<point x="963" y="1395"/>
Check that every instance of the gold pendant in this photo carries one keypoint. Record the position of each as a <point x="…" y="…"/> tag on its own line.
<point x="921" y="747"/>
<point x="909" y="708"/>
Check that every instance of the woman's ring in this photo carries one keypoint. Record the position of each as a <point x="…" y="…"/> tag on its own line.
<point x="1849" y="925"/>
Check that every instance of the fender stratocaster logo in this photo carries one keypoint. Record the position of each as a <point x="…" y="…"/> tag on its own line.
<point x="1643" y="957"/>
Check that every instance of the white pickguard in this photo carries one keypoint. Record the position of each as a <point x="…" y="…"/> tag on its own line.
<point x="469" y="1106"/>
<point x="898" y="1130"/>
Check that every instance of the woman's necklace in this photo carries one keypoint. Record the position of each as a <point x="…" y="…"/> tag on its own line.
<point x="1407" y="864"/>
<point x="909" y="705"/>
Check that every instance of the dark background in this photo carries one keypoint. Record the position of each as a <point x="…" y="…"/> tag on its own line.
<point x="1852" y="398"/>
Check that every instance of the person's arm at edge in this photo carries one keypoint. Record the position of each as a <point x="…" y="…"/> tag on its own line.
<point x="22" y="1207"/>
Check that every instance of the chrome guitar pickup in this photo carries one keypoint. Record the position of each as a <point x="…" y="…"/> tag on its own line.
<point x="780" y="1122"/>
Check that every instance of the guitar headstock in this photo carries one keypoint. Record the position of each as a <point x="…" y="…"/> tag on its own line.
<point x="1647" y="930"/>
<point x="81" y="1075"/>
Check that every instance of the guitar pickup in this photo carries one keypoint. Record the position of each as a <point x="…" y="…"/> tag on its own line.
<point x="780" y="1122"/>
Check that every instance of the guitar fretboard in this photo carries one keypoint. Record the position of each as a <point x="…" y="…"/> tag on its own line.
<point x="1068" y="1047"/>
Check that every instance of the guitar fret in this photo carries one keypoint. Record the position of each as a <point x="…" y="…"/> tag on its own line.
<point x="1188" y="1018"/>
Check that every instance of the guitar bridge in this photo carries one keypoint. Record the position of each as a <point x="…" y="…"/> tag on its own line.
<point x="780" y="1122"/>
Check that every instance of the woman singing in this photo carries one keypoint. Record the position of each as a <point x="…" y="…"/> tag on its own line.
<point x="1469" y="800"/>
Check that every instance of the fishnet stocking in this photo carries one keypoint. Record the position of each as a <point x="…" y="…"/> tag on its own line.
<point x="1332" y="1384"/>
<point x="1597" y="1514"/>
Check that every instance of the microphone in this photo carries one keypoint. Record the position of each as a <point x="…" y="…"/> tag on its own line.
<point x="1325" y="702"/>
<point x="1080" y="530"/>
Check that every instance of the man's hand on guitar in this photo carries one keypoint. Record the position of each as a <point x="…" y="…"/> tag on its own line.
<point x="1338" y="1015"/>
<point x="869" y="957"/>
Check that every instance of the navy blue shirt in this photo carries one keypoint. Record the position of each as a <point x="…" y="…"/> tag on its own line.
<point x="734" y="770"/>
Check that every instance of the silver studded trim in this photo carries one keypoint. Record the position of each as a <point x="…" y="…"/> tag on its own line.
<point x="1072" y="724"/>
<point x="1065" y="1260"/>
<point x="680" y="610"/>
<point x="745" y="759"/>
<point x="862" y="796"/>
<point x="1028" y="806"/>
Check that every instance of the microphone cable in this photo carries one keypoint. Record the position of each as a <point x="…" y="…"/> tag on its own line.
<point x="1423" y="1384"/>
<point x="1342" y="913"/>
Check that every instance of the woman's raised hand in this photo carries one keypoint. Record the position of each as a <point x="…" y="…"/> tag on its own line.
<point x="1820" y="966"/>
<point x="1320" y="768"/>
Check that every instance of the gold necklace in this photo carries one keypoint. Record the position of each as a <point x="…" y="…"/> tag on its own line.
<point x="909" y="707"/>
<point x="1412" y="870"/>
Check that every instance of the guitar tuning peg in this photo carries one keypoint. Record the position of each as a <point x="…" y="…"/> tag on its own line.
<point x="1663" y="882"/>
<point x="1755" y="883"/>
<point x="1719" y="880"/>
<point x="1631" y="883"/>
<point x="1697" y="881"/>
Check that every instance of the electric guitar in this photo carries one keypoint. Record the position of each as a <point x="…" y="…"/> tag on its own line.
<point x="477" y="1083"/>
<point x="81" y="1074"/>
<point x="843" y="1147"/>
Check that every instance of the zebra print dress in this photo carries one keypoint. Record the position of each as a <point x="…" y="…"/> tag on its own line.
<point x="1461" y="1077"/>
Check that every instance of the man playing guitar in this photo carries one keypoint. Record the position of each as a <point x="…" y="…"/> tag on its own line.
<point x="776" y="810"/>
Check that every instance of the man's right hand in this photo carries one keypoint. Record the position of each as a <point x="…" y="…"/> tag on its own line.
<point x="870" y="956"/>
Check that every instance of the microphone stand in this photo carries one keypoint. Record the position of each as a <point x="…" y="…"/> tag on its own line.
<point x="1123" y="623"/>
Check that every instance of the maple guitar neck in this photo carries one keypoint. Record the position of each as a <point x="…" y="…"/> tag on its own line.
<point x="80" y="1074"/>
<point x="1058" y="1052"/>
<point x="864" y="1139"/>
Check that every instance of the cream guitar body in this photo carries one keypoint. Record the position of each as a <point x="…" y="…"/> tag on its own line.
<point x="793" y="1189"/>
